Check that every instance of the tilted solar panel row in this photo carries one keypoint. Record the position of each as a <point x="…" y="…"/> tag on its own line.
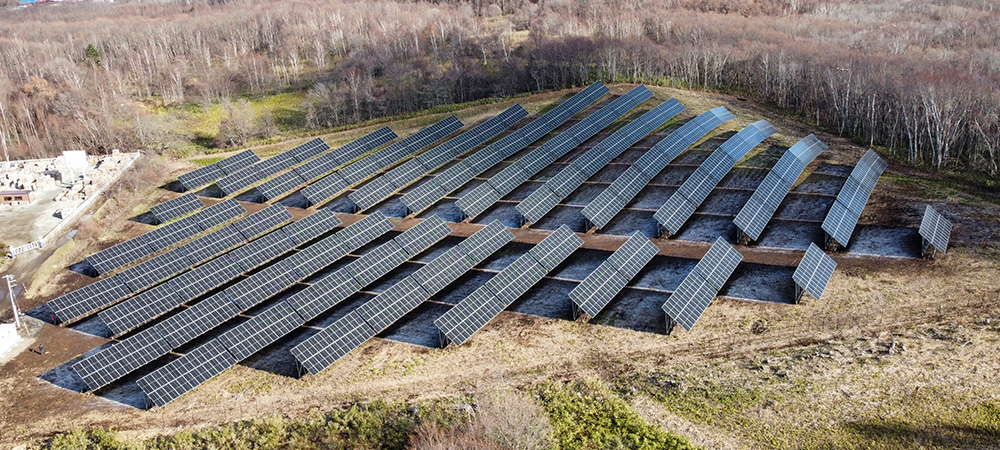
<point x="176" y="207"/>
<point x="427" y="194"/>
<point x="600" y="287"/>
<point x="688" y="302"/>
<point x="935" y="232"/>
<point x="846" y="210"/>
<point x="212" y="172"/>
<point x="813" y="273"/>
<point x="263" y="169"/>
<point x="627" y="186"/>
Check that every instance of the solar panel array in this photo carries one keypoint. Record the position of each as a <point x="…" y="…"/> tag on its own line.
<point x="759" y="209"/>
<point x="600" y="287"/>
<point x="217" y="170"/>
<point x="546" y="197"/>
<point x="425" y="195"/>
<point x="696" y="188"/>
<point x="689" y="301"/>
<point x="134" y="249"/>
<point x="843" y="216"/>
<point x="612" y="200"/>
<point x="408" y="172"/>
<point x="119" y="359"/>
<point x="165" y="384"/>
<point x="219" y="213"/>
<point x="479" y="199"/>
<point x="813" y="272"/>
<point x="476" y="310"/>
<point x="935" y="232"/>
<point x="176" y="207"/>
<point x="248" y="176"/>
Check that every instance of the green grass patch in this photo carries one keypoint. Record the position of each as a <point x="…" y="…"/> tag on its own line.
<point x="585" y="414"/>
<point x="202" y="162"/>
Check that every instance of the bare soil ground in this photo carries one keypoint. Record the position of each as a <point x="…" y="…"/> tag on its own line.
<point x="899" y="351"/>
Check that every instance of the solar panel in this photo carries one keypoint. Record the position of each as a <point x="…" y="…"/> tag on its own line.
<point x="870" y="163"/>
<point x="598" y="289"/>
<point x="120" y="254"/>
<point x="814" y="271"/>
<point x="469" y="316"/>
<point x="316" y="256"/>
<point x="237" y="162"/>
<point x="423" y="196"/>
<point x="200" y="177"/>
<point x="376" y="190"/>
<point x="788" y="168"/>
<point x="689" y="301"/>
<point x="216" y="272"/>
<point x="332" y="343"/>
<point x="608" y="149"/>
<point x="510" y="177"/>
<point x="240" y="180"/>
<point x="853" y="196"/>
<point x="219" y="213"/>
<point x="261" y="221"/>
<point x="81" y="301"/>
<point x="139" y="309"/>
<point x="324" y="294"/>
<point x="261" y="330"/>
<point x="379" y="261"/>
<point x="363" y="145"/>
<point x="122" y="358"/>
<point x="839" y="223"/>
<point x="279" y="185"/>
<point x="261" y="250"/>
<point x="554" y="249"/>
<point x="443" y="270"/>
<point x="718" y="263"/>
<point x="514" y="280"/>
<point x="388" y="307"/>
<point x="663" y="152"/>
<point x="474" y="137"/>
<point x="263" y="285"/>
<point x="277" y="163"/>
<point x="169" y="382"/>
<point x="485" y="242"/>
<point x="935" y="230"/>
<point x="609" y="202"/>
<point x="422" y="235"/>
<point x="155" y="269"/>
<point x="308" y="150"/>
<point x="310" y="170"/>
<point x="759" y="209"/>
<point x="478" y="162"/>
<point x="536" y="205"/>
<point x="166" y="235"/>
<point x="807" y="149"/>
<point x="479" y="200"/>
<point x="567" y="180"/>
<point x="176" y="207"/>
<point x="210" y="245"/>
<point x="674" y="213"/>
<point x="633" y="255"/>
<point x="394" y="152"/>
<point x="324" y="188"/>
<point x="364" y="231"/>
<point x="190" y="323"/>
<point x="312" y="226"/>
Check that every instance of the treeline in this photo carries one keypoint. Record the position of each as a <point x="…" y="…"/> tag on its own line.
<point x="919" y="78"/>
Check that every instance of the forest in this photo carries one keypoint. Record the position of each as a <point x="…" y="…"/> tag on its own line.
<point x="918" y="79"/>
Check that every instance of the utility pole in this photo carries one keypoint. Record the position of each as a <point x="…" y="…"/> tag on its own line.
<point x="13" y="305"/>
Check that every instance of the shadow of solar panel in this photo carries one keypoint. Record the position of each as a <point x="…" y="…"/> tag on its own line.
<point x="359" y="233"/>
<point x="839" y="223"/>
<point x="312" y="226"/>
<point x="219" y="213"/>
<point x="261" y="221"/>
<point x="689" y="301"/>
<point x="200" y="177"/>
<point x="332" y="343"/>
<point x="388" y="307"/>
<point x="422" y="235"/>
<point x="89" y="298"/>
<point x="190" y="323"/>
<point x="181" y="375"/>
<point x="598" y="289"/>
<point x="308" y="150"/>
<point x="176" y="207"/>
<point x="261" y="250"/>
<point x="325" y="188"/>
<point x="263" y="285"/>
<point x="485" y="242"/>
<point x="237" y="162"/>
<point x="261" y="330"/>
<point x="807" y="150"/>
<point x="443" y="270"/>
<point x="364" y="144"/>
<point x="554" y="249"/>
<point x="814" y="271"/>
<point x="281" y="184"/>
<point x="718" y="264"/>
<point x="536" y="205"/>
<point x="512" y="282"/>
<point x="935" y="229"/>
<point x="212" y="244"/>
<point x="469" y="316"/>
<point x="166" y="235"/>
<point x="240" y="180"/>
<point x="121" y="358"/>
<point x="633" y="255"/>
<point x="324" y="294"/>
<point x="121" y="254"/>
<point x="376" y="263"/>
<point x="140" y="308"/>
<point x="674" y="213"/>
<point x="156" y="269"/>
